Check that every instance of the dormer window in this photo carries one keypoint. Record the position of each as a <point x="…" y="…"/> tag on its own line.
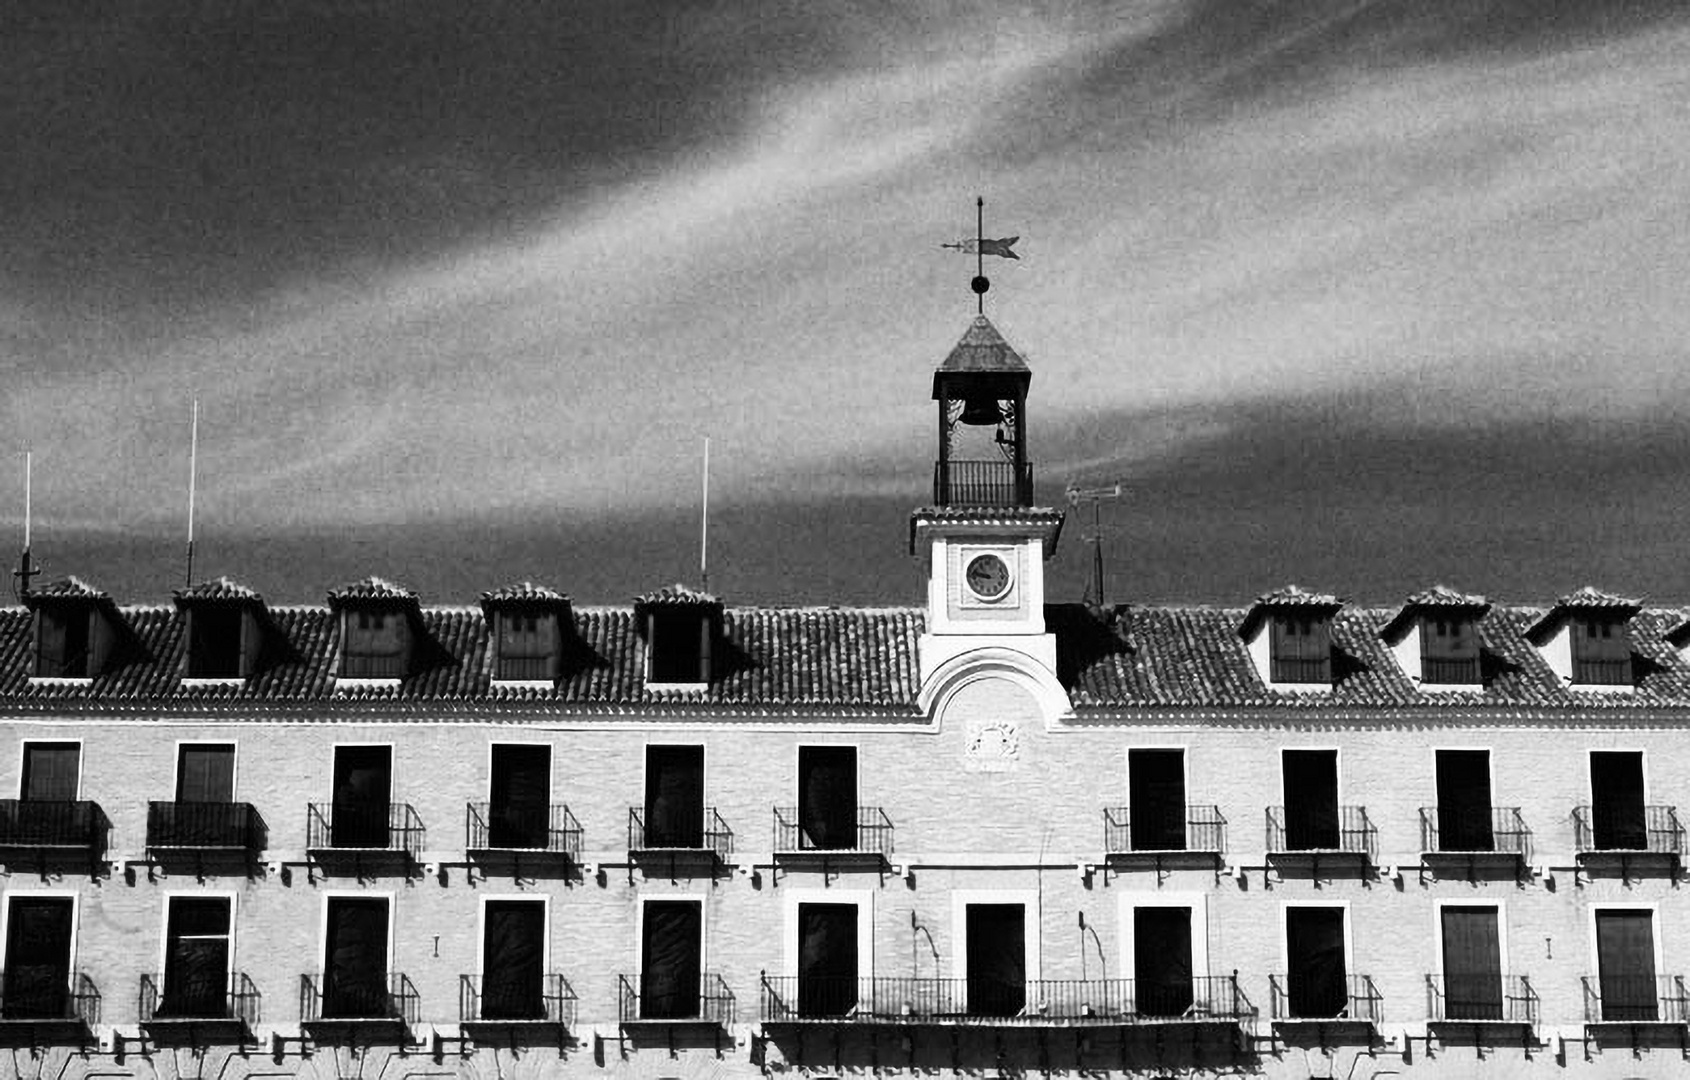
<point x="61" y="642"/>
<point x="680" y="627"/>
<point x="1288" y="636"/>
<point x="1301" y="648"/>
<point x="528" y="624"/>
<point x="225" y="632"/>
<point x="1449" y="649"/>
<point x="376" y="630"/>
<point x="1601" y="651"/>
<point x="1435" y="639"/>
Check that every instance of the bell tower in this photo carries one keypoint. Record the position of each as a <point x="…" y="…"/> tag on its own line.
<point x="982" y="539"/>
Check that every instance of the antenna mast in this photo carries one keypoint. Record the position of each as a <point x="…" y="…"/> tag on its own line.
<point x="26" y="569"/>
<point x="1095" y="496"/>
<point x="193" y="465"/>
<point x="704" y="524"/>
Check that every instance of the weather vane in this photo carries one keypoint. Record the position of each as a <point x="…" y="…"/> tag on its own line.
<point x="981" y="247"/>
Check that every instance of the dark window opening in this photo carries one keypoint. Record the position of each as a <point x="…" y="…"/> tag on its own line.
<point x="528" y="645"/>
<point x="679" y="646"/>
<point x="374" y="645"/>
<point x="827" y="797"/>
<point x="1464" y="810"/>
<point x="1311" y="800"/>
<point x="1301" y="649"/>
<point x="205" y="773"/>
<point x="37" y="975"/>
<point x="50" y="771"/>
<point x="1625" y="964"/>
<point x="1156" y="790"/>
<point x="363" y="788"/>
<point x="519" y="797"/>
<point x="827" y="959"/>
<point x="355" y="960"/>
<point x="1317" y="978"/>
<point x="1472" y="956"/>
<point x="670" y="960"/>
<point x="217" y="646"/>
<point x="1616" y="794"/>
<point x="674" y="796"/>
<point x="63" y="642"/>
<point x="996" y="959"/>
<point x="196" y="958"/>
<point x="1449" y="650"/>
<point x="1162" y="966"/>
<point x="1601" y="652"/>
<point x="513" y="960"/>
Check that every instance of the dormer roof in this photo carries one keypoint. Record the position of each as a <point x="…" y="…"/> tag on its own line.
<point x="524" y="593"/>
<point x="676" y="595"/>
<point x="67" y="589"/>
<point x="221" y="590"/>
<point x="1287" y="598"/>
<point x="1679" y="635"/>
<point x="1437" y="599"/>
<point x="372" y="589"/>
<point x="1587" y="599"/>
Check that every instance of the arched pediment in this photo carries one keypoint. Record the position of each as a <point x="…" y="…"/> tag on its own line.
<point x="965" y="669"/>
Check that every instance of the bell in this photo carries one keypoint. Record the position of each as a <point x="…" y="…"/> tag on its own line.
<point x="981" y="411"/>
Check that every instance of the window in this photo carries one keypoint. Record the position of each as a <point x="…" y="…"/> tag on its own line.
<point x="1464" y="806"/>
<point x="1449" y="650"/>
<point x="996" y="959"/>
<point x="196" y="958"/>
<point x="1472" y="963"/>
<point x="1162" y="960"/>
<point x="205" y="773"/>
<point x="50" y="771"/>
<point x="1156" y="791"/>
<point x="63" y="640"/>
<point x="513" y="960"/>
<point x="1302" y="648"/>
<point x="37" y="969"/>
<point x="674" y="797"/>
<point x="1311" y="800"/>
<point x="671" y="951"/>
<point x="1601" y="651"/>
<point x="528" y="645"/>
<point x="355" y="958"/>
<point x="520" y="796"/>
<point x="1619" y="817"/>
<point x="1625" y="964"/>
<point x="363" y="788"/>
<point x="374" y="645"/>
<point x="678" y="645"/>
<point x="827" y="797"/>
<point x="221" y="638"/>
<point x="827" y="959"/>
<point x="1317" y="976"/>
<point x="204" y="813"/>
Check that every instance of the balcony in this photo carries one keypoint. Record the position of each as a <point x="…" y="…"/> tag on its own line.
<point x="204" y="828"/>
<point x="515" y="834"/>
<point x="370" y="1004"/>
<point x="1494" y="836"/>
<point x="1652" y="840"/>
<point x="1608" y="671"/>
<point x="550" y="1004"/>
<point x="982" y="483"/>
<point x="658" y="1003"/>
<point x="1341" y="832"/>
<point x="52" y="828"/>
<point x="223" y="1010"/>
<point x="1036" y="1003"/>
<point x="1636" y="999"/>
<point x="1301" y="669"/>
<point x="1450" y="671"/>
<point x="363" y="834"/>
<point x="701" y="838"/>
<point x="869" y="840"/>
<point x="1195" y="831"/>
<point x="1326" y="1004"/>
<point x="1481" y="999"/>
<point x="46" y="1008"/>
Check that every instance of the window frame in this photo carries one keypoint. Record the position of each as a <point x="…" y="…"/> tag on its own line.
<point x="862" y="899"/>
<point x="11" y="894"/>
<point x="165" y="901"/>
<point x="1031" y="945"/>
<point x="1198" y="905"/>
<point x="234" y="765"/>
<point x="23" y="758"/>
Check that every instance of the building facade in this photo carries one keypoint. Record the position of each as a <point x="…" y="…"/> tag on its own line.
<point x="986" y="835"/>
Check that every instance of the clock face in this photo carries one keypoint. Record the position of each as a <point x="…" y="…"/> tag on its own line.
<point x="987" y="577"/>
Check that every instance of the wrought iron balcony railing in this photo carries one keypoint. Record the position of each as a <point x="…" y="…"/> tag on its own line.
<point x="1450" y="671"/>
<point x="231" y="997"/>
<point x="372" y="826"/>
<point x="1301" y="669"/>
<point x="1035" y="1002"/>
<point x="551" y="829"/>
<point x="1497" y="828"/>
<point x="653" y="997"/>
<point x="1600" y="829"/>
<point x="376" y="995"/>
<point x="1636" y="999"/>
<point x="1190" y="828"/>
<point x="1505" y="999"/>
<point x="871" y="833"/>
<point x="526" y="668"/>
<point x="34" y="995"/>
<point x="1604" y="672"/>
<point x="1333" y="828"/>
<point x="1354" y="998"/>
<point x="982" y="483"/>
<point x="483" y="1001"/>
<point x="204" y="826"/>
<point x="73" y="824"/>
<point x="701" y="831"/>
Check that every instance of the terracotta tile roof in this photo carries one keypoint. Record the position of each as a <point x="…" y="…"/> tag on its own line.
<point x="371" y="588"/>
<point x="1679" y="634"/>
<point x="983" y="349"/>
<point x="1437" y="598"/>
<point x="1289" y="597"/>
<point x="525" y="592"/>
<point x="68" y="588"/>
<point x="1586" y="598"/>
<point x="676" y="595"/>
<point x="218" y="590"/>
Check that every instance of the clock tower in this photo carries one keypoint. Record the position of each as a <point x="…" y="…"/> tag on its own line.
<point x="982" y="540"/>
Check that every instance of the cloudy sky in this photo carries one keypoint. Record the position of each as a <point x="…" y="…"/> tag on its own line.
<point x="1359" y="294"/>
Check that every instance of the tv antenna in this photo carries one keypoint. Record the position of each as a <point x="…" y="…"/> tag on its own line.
<point x="1094" y="496"/>
<point x="26" y="569"/>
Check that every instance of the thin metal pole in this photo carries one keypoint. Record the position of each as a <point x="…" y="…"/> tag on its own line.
<point x="979" y="253"/>
<point x="28" y="468"/>
<point x="193" y="468"/>
<point x="704" y="524"/>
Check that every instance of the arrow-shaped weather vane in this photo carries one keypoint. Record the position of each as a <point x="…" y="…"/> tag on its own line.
<point x="980" y="247"/>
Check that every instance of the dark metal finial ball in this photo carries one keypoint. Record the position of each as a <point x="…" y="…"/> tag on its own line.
<point x="980" y="285"/>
